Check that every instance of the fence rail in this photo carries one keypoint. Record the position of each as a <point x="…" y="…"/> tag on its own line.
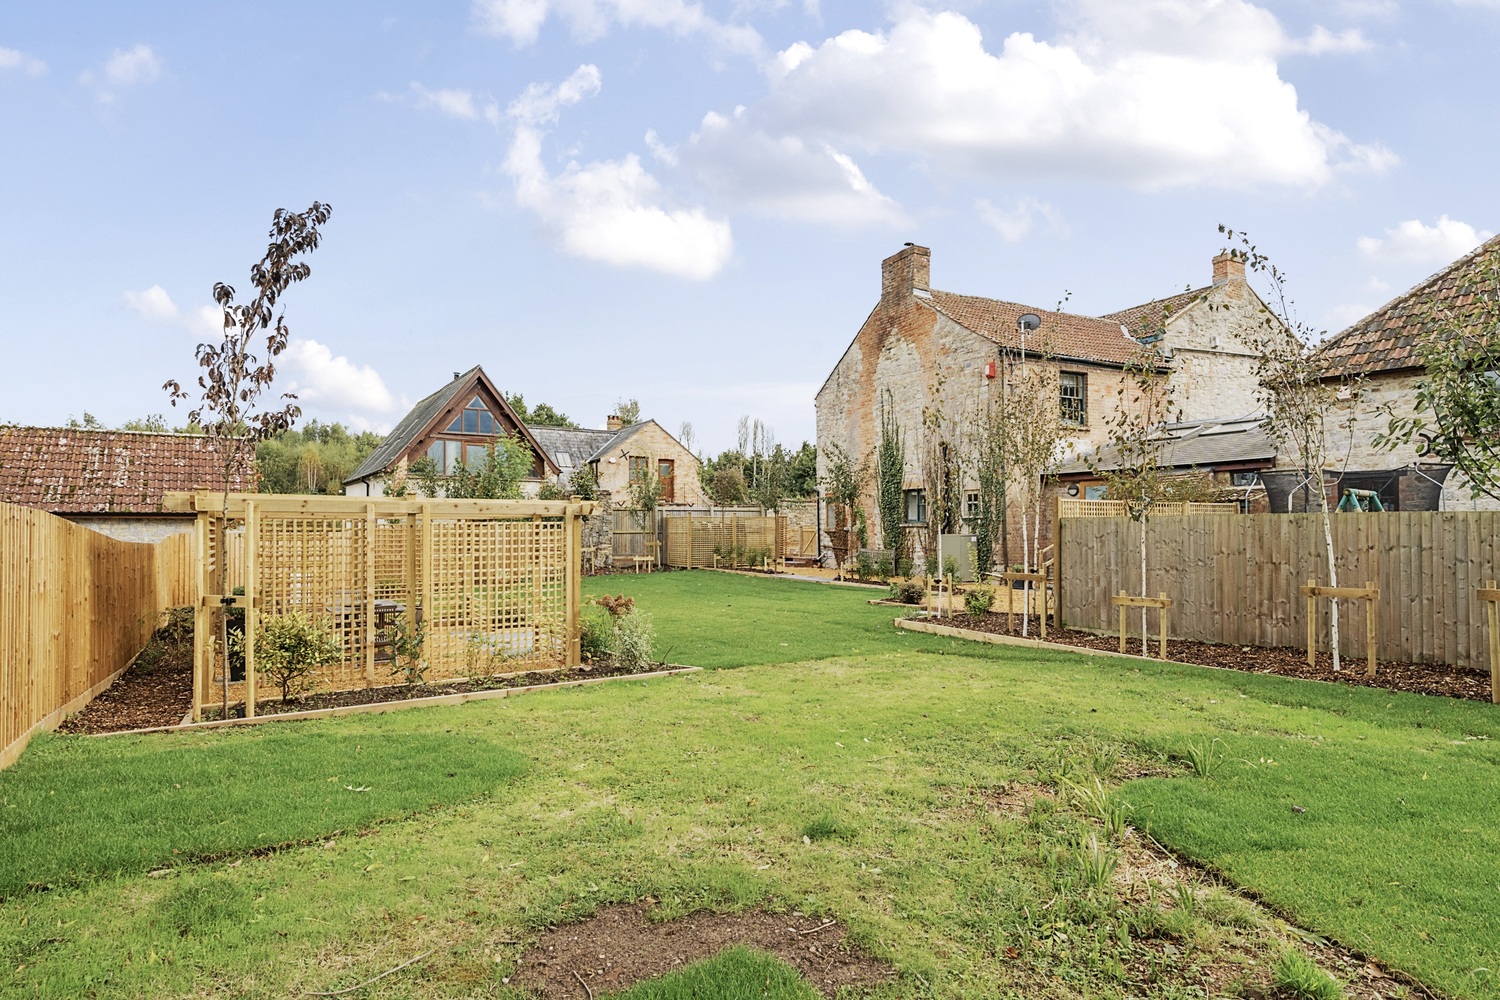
<point x="1236" y="579"/>
<point x="696" y="541"/>
<point x="75" y="607"/>
<point x="1116" y="508"/>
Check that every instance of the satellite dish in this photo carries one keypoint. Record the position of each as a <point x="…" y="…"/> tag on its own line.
<point x="1027" y="322"/>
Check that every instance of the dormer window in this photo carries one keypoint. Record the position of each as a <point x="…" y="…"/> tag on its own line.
<point x="476" y="418"/>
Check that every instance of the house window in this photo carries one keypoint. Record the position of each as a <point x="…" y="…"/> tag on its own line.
<point x="1095" y="492"/>
<point x="1072" y="397"/>
<point x="916" y="506"/>
<point x="639" y="466"/>
<point x="971" y="506"/>
<point x="446" y="455"/>
<point x="1243" y="478"/>
<point x="476" y="418"/>
<point x="666" y="474"/>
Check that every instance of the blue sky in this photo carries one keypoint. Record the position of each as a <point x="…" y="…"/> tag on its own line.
<point x="687" y="203"/>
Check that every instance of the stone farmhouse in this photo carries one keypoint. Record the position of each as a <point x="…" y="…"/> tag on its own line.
<point x="457" y="422"/>
<point x="918" y="337"/>
<point x="113" y="481"/>
<point x="1380" y="352"/>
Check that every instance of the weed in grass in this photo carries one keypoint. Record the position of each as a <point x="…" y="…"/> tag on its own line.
<point x="196" y="906"/>
<point x="1102" y="805"/>
<point x="1204" y="756"/>
<point x="1184" y="897"/>
<point x="1096" y="863"/>
<point x="1297" y="975"/>
<point x="827" y="827"/>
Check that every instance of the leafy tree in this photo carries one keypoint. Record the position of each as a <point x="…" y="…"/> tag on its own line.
<point x="584" y="483"/>
<point x="802" y="473"/>
<point x="497" y="476"/>
<point x="88" y="423"/>
<point x="1298" y="393"/>
<point x="1456" y="413"/>
<point x="629" y="411"/>
<point x="153" y="423"/>
<point x="290" y="648"/>
<point x="845" y="480"/>
<point x="726" y="486"/>
<point x="286" y="462"/>
<point x="234" y="377"/>
<point x="541" y="415"/>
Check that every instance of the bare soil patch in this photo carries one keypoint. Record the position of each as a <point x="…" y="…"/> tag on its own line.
<point x="148" y="694"/>
<point x="620" y="946"/>
<point x="1416" y="678"/>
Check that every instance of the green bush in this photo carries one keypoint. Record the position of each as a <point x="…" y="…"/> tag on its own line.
<point x="289" y="649"/>
<point x="634" y="638"/>
<point x="409" y="663"/>
<point x="597" y="638"/>
<point x="864" y="566"/>
<point x="909" y="591"/>
<point x="1298" y="976"/>
<point x="979" y="600"/>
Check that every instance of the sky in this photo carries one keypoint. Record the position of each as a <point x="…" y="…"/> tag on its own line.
<point x="687" y="203"/>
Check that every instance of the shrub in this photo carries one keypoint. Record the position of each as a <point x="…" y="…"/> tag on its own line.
<point x="950" y="566"/>
<point x="979" y="600"/>
<point x="596" y="638"/>
<point x="883" y="566"/>
<point x="634" y="638"/>
<point x="290" y="648"/>
<point x="903" y="566"/>
<point x="864" y="566"/>
<point x="409" y="663"/>
<point x="909" y="591"/>
<point x="617" y="607"/>
<point x="550" y="491"/>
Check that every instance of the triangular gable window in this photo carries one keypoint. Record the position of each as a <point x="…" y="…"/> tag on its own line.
<point x="476" y="418"/>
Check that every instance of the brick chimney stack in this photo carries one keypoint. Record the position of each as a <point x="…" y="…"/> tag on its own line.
<point x="613" y="422"/>
<point x="905" y="272"/>
<point x="1229" y="266"/>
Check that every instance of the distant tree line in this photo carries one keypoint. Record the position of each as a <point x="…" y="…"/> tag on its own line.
<point x="760" y="470"/>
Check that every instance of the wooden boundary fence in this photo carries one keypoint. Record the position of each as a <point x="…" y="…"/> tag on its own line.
<point x="696" y="541"/>
<point x="76" y="607"/>
<point x="1236" y="579"/>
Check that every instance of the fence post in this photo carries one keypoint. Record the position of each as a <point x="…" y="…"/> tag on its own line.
<point x="1122" y="624"/>
<point x="574" y="527"/>
<point x="1493" y="598"/>
<point x="201" y="622"/>
<point x="369" y="588"/>
<point x="1163" y="596"/>
<point x="1312" y="626"/>
<point x="1057" y="551"/>
<point x="252" y="616"/>
<point x="1370" y="631"/>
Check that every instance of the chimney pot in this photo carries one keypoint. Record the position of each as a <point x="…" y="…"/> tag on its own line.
<point x="905" y="272"/>
<point x="613" y="422"/>
<point x="456" y="375"/>
<point x="1228" y="266"/>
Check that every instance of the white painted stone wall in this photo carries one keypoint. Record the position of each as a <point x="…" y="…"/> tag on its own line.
<point x="145" y="528"/>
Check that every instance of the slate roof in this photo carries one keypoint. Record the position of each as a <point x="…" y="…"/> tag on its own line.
<point x="69" y="471"/>
<point x="580" y="445"/>
<point x="1385" y="340"/>
<point x="1150" y="317"/>
<point x="402" y="435"/>
<point x="1065" y="335"/>
<point x="1200" y="444"/>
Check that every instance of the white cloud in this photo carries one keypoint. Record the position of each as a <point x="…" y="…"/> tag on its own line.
<point x="1325" y="42"/>
<point x="521" y="20"/>
<point x="1155" y="94"/>
<point x="1414" y="242"/>
<point x="20" y="61"/>
<point x="1014" y="224"/>
<point x="155" y="306"/>
<point x="613" y="211"/>
<point x="124" y="68"/>
<point x="456" y="104"/>
<point x="784" y="176"/>
<point x="319" y="378"/>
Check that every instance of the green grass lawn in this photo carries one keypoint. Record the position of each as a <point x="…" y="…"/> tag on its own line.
<point x="849" y="772"/>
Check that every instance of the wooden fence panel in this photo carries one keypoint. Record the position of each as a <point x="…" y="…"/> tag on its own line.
<point x="75" y="608"/>
<point x="1234" y="578"/>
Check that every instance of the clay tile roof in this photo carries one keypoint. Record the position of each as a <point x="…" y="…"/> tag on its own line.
<point x="69" y="471"/>
<point x="1149" y="317"/>
<point x="1063" y="335"/>
<point x="1385" y="340"/>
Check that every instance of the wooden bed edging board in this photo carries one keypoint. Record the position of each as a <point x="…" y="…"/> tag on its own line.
<point x="53" y="719"/>
<point x="394" y="706"/>
<point x="916" y="625"/>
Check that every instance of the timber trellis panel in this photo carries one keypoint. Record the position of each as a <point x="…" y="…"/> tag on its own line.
<point x="76" y="607"/>
<point x="1116" y="508"/>
<point x="692" y="539"/>
<point x="497" y="583"/>
<point x="1235" y="579"/>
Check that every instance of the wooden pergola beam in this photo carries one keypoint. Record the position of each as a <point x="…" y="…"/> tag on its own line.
<point x="211" y="503"/>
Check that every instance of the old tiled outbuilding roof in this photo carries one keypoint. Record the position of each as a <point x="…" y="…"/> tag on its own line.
<point x="1063" y="335"/>
<point x="1151" y="317"/>
<point x="1386" y="340"/>
<point x="1239" y="442"/>
<point x="69" y="471"/>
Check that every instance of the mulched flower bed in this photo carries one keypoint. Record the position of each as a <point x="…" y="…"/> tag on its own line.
<point x="156" y="695"/>
<point x="380" y="695"/>
<point x="1417" y="678"/>
<point x="620" y="946"/>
